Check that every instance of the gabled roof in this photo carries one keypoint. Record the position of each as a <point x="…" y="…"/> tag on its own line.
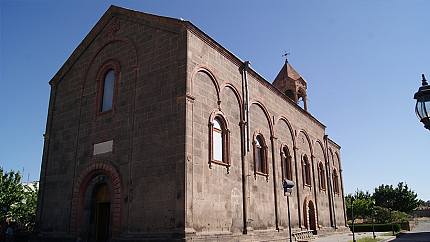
<point x="170" y="23"/>
<point x="174" y="25"/>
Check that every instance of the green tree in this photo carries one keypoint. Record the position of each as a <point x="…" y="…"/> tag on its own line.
<point x="11" y="192"/>
<point x="363" y="203"/>
<point x="382" y="215"/>
<point x="24" y="211"/>
<point x="400" y="198"/>
<point x="17" y="201"/>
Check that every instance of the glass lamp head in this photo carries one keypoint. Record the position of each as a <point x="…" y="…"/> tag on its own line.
<point x="422" y="107"/>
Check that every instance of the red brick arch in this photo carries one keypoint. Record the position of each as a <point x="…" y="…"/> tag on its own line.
<point x="79" y="189"/>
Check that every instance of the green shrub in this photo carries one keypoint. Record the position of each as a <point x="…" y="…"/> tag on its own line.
<point x="378" y="227"/>
<point x="382" y="215"/>
<point x="405" y="226"/>
<point x="400" y="217"/>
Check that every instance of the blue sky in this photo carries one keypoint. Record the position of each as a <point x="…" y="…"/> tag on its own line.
<point x="362" y="60"/>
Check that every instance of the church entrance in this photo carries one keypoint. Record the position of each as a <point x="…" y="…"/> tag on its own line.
<point x="96" y="224"/>
<point x="101" y="213"/>
<point x="312" y="221"/>
<point x="309" y="215"/>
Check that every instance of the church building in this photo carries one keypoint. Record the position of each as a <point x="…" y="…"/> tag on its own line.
<point x="157" y="132"/>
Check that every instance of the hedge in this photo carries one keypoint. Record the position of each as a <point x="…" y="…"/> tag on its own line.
<point x="378" y="227"/>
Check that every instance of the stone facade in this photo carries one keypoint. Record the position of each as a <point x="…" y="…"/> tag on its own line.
<point x="153" y="150"/>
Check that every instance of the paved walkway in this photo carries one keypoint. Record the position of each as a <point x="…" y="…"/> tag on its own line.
<point x="421" y="233"/>
<point x="348" y="237"/>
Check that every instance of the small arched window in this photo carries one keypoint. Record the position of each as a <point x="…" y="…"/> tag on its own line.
<point x="335" y="182"/>
<point x="107" y="91"/>
<point x="290" y="94"/>
<point x="260" y="156"/>
<point x="306" y="171"/>
<point x="321" y="175"/>
<point x="219" y="142"/>
<point x="286" y="164"/>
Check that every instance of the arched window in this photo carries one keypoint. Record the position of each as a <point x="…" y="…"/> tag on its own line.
<point x="219" y="141"/>
<point x="335" y="182"/>
<point x="260" y="156"/>
<point x="107" y="91"/>
<point x="306" y="171"/>
<point x="286" y="164"/>
<point x="290" y="94"/>
<point x="321" y="175"/>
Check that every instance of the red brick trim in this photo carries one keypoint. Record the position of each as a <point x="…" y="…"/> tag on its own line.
<point x="305" y="213"/>
<point x="236" y="93"/>
<point x="266" y="113"/>
<point x="226" y="53"/>
<point x="211" y="75"/>
<point x="284" y="156"/>
<point x="335" y="177"/>
<point x="79" y="189"/>
<point x="99" y="50"/>
<point x="305" y="161"/>
<point x="290" y="127"/>
<point x="225" y="140"/>
<point x="308" y="140"/>
<point x="322" y="183"/>
<point x="265" y="150"/>
<point x="100" y="78"/>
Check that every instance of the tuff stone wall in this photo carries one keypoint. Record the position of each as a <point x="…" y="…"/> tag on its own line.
<point x="146" y="125"/>
<point x="215" y="196"/>
<point x="172" y="80"/>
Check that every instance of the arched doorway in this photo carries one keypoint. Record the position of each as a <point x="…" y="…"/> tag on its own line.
<point x="101" y="213"/>
<point x="96" y="226"/>
<point x="309" y="215"/>
<point x="88" y="184"/>
<point x="312" y="221"/>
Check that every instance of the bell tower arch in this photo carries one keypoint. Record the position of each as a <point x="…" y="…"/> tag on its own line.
<point x="289" y="82"/>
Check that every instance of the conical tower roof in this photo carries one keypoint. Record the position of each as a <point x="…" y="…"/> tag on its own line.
<point x="288" y="71"/>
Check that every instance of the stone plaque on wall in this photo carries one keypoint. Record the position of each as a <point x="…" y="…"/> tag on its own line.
<point x="103" y="147"/>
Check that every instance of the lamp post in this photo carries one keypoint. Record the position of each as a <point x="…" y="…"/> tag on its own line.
<point x="373" y="221"/>
<point x="288" y="188"/>
<point x="352" y="216"/>
<point x="422" y="108"/>
<point x="391" y="219"/>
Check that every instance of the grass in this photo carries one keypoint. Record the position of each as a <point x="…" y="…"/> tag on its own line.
<point x="367" y="239"/>
<point x="390" y="233"/>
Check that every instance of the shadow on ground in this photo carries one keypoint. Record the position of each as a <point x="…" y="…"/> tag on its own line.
<point x="414" y="236"/>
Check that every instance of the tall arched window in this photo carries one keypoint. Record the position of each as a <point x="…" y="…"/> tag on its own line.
<point x="286" y="164"/>
<point x="306" y="171"/>
<point x="107" y="91"/>
<point x="321" y="175"/>
<point x="219" y="141"/>
<point x="335" y="182"/>
<point x="260" y="155"/>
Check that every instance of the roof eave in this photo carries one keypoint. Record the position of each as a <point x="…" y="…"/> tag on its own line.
<point x="236" y="60"/>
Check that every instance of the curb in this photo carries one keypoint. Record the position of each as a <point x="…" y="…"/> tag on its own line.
<point x="388" y="239"/>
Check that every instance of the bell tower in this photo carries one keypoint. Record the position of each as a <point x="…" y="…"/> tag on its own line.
<point x="289" y="82"/>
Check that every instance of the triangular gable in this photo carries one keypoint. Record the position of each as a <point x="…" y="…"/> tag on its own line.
<point x="171" y="24"/>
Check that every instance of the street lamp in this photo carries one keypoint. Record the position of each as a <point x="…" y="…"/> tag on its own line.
<point x="422" y="108"/>
<point x="352" y="216"/>
<point x="288" y="188"/>
<point x="373" y="220"/>
<point x="391" y="219"/>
